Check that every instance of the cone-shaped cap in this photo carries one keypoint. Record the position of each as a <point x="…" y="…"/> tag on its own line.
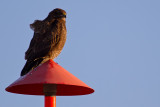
<point x="51" y="75"/>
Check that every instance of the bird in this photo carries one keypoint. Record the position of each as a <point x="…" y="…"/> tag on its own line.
<point x="48" y="40"/>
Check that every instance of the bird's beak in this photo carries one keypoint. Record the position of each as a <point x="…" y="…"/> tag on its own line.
<point x="63" y="16"/>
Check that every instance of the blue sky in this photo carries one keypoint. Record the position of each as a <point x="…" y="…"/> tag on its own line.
<point x="112" y="45"/>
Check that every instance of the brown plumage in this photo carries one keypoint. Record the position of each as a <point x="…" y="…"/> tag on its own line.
<point x="48" y="40"/>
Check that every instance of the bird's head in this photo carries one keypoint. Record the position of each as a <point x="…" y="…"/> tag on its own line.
<point x="57" y="13"/>
<point x="40" y="26"/>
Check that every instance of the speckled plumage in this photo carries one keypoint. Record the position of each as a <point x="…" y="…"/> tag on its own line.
<point x="48" y="40"/>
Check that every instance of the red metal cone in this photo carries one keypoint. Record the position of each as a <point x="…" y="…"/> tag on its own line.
<point x="52" y="75"/>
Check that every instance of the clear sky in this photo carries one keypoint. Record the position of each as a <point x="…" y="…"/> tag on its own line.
<point x="112" y="45"/>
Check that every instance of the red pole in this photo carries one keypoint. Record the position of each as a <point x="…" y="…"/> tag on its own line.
<point x="50" y="101"/>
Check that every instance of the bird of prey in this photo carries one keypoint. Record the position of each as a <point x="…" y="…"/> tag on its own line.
<point x="48" y="39"/>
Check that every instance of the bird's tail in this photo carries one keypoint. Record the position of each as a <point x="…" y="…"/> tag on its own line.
<point x="30" y="65"/>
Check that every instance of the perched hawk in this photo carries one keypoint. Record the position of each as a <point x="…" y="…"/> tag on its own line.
<point x="48" y="40"/>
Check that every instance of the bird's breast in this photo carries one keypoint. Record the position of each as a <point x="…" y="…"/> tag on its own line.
<point x="56" y="49"/>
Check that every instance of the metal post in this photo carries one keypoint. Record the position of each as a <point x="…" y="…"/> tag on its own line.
<point x="50" y="101"/>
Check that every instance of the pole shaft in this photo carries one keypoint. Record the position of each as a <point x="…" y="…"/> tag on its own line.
<point x="50" y="101"/>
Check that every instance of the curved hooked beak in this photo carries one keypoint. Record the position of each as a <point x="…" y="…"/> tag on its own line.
<point x="63" y="16"/>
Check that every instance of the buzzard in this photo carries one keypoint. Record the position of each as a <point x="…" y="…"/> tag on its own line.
<point x="48" y="39"/>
